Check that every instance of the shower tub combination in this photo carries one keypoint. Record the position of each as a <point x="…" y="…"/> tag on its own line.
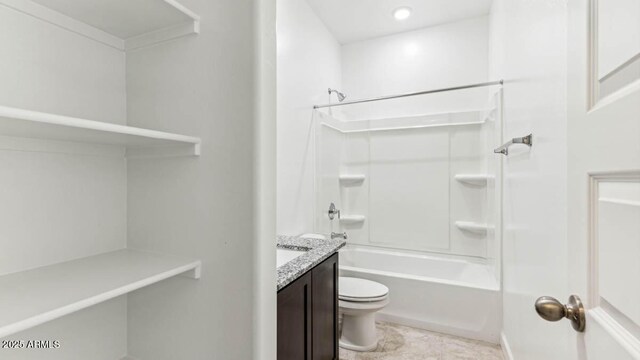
<point x="409" y="140"/>
<point x="451" y="296"/>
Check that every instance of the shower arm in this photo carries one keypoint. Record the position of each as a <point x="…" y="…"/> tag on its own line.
<point x="340" y="95"/>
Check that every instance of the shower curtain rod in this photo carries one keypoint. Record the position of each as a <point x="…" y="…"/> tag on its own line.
<point x="490" y="83"/>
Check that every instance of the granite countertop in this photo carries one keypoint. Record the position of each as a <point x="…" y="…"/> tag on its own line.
<point x="317" y="250"/>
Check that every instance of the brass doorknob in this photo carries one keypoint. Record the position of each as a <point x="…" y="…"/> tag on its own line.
<point x="551" y="309"/>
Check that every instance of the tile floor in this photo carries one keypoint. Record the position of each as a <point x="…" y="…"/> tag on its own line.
<point x="398" y="342"/>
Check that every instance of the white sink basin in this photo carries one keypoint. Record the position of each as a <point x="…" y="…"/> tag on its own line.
<point x="286" y="255"/>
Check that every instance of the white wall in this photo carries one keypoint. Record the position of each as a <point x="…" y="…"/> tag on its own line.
<point x="308" y="64"/>
<point x="62" y="205"/>
<point x="529" y="52"/>
<point x="206" y="207"/>
<point x="431" y="58"/>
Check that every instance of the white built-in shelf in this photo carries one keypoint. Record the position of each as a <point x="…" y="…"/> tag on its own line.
<point x="473" y="227"/>
<point x="121" y="24"/>
<point x="33" y="297"/>
<point x="351" y="180"/>
<point x="137" y="141"/>
<point x="352" y="219"/>
<point x="474" y="179"/>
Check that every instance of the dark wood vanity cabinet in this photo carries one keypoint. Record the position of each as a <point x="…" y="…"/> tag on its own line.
<point x="294" y="320"/>
<point x="308" y="315"/>
<point x="324" y="310"/>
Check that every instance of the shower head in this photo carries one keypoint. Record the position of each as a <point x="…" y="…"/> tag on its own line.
<point x="341" y="96"/>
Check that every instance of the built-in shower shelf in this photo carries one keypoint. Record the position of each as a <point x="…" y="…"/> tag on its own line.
<point x="351" y="180"/>
<point x="352" y="219"/>
<point x="33" y="297"/>
<point x="473" y="179"/>
<point x="137" y="141"/>
<point x="473" y="227"/>
<point x="121" y="24"/>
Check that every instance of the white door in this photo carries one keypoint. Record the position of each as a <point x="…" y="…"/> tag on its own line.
<point x="604" y="175"/>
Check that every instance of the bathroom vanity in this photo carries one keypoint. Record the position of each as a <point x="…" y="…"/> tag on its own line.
<point x="308" y="300"/>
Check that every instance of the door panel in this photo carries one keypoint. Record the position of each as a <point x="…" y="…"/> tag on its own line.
<point x="615" y="36"/>
<point x="618" y="34"/>
<point x="616" y="222"/>
<point x="614" y="266"/>
<point x="604" y="175"/>
<point x="605" y="339"/>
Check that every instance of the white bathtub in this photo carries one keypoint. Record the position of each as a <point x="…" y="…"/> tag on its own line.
<point x="445" y="295"/>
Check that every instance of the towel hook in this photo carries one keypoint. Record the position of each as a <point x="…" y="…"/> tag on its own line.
<point x="504" y="149"/>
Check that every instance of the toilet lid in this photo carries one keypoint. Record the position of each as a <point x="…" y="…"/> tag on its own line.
<point x="354" y="289"/>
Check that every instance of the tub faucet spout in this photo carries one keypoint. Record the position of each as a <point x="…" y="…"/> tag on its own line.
<point x="342" y="236"/>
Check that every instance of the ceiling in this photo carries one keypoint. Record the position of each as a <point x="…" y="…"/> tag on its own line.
<point x="356" y="20"/>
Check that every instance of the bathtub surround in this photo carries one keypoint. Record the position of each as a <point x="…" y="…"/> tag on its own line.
<point x="316" y="251"/>
<point x="408" y="167"/>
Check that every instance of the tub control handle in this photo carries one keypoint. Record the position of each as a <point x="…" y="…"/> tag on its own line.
<point x="333" y="211"/>
<point x="551" y="309"/>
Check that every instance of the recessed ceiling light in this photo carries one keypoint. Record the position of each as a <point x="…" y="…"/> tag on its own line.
<point x="402" y="13"/>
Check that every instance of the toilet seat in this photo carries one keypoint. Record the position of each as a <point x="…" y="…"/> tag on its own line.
<point x="359" y="301"/>
<point x="361" y="290"/>
<point x="350" y="299"/>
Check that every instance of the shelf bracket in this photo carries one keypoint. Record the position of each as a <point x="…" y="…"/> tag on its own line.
<point x="194" y="273"/>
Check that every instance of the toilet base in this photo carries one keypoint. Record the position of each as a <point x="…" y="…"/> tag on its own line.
<point x="359" y="332"/>
<point x="359" y="325"/>
<point x="348" y="346"/>
<point x="352" y="347"/>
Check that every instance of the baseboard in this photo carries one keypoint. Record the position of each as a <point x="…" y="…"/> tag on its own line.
<point x="129" y="358"/>
<point x="474" y="335"/>
<point x="506" y="350"/>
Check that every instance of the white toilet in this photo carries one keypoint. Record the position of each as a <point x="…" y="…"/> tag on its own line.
<point x="359" y="300"/>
